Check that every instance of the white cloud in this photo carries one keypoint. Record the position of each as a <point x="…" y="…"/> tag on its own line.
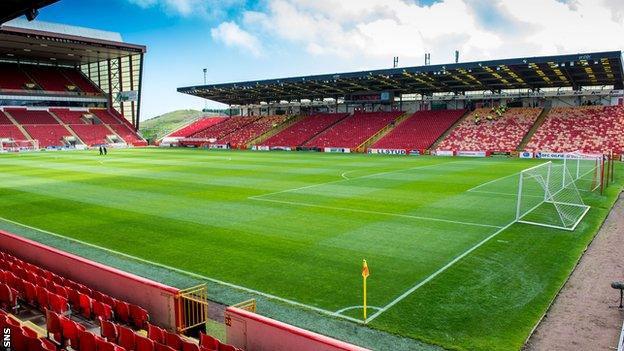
<point x="373" y="31"/>
<point x="232" y="35"/>
<point x="188" y="8"/>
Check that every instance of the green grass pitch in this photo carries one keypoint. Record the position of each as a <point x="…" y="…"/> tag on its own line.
<point x="447" y="265"/>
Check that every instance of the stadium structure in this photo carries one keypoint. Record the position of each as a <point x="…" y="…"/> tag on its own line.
<point x="465" y="245"/>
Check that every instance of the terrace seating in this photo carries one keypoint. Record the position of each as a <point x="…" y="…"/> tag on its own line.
<point x="24" y="116"/>
<point x="354" y="130"/>
<point x="128" y="135"/>
<point x="196" y="126"/>
<point x="420" y="130"/>
<point x="4" y="120"/>
<point x="47" y="135"/>
<point x="82" y="82"/>
<point x="48" y="78"/>
<point x="227" y="126"/>
<point x="13" y="78"/>
<point x="69" y="116"/>
<point x="91" y="134"/>
<point x="482" y="130"/>
<point x="305" y="129"/>
<point x="590" y="129"/>
<point x="244" y="135"/>
<point x="11" y="132"/>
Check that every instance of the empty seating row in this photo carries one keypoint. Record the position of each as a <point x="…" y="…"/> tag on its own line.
<point x="25" y="116"/>
<point x="11" y="132"/>
<point x="242" y="136"/>
<point x="4" y="119"/>
<point x="485" y="130"/>
<point x="196" y="126"/>
<point x="420" y="130"/>
<point x="47" y="78"/>
<point x="590" y="129"/>
<point x="304" y="130"/>
<point x="105" y="116"/>
<point x="128" y="135"/>
<point x="92" y="134"/>
<point x="23" y="338"/>
<point x="48" y="135"/>
<point x="12" y="77"/>
<point x="354" y="130"/>
<point x="227" y="126"/>
<point x="82" y="82"/>
<point x="68" y="116"/>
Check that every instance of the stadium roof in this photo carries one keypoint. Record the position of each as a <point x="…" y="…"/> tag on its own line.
<point x="11" y="9"/>
<point x="60" y="44"/>
<point x="591" y="69"/>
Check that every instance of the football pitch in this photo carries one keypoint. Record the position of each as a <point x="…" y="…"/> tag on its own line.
<point x="448" y="264"/>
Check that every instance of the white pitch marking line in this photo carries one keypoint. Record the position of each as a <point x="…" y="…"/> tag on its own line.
<point x="491" y="181"/>
<point x="354" y="307"/>
<point x="436" y="273"/>
<point x="344" y="179"/>
<point x="499" y="193"/>
<point x="190" y="274"/>
<point x="375" y="212"/>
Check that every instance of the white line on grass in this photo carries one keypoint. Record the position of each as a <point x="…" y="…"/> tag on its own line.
<point x="190" y="274"/>
<point x="354" y="307"/>
<point x="375" y="212"/>
<point x="436" y="273"/>
<point x="492" y="181"/>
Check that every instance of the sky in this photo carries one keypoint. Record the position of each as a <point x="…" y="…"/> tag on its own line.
<point x="246" y="40"/>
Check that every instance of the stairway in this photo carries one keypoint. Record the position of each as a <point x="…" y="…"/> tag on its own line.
<point x="448" y="131"/>
<point x="383" y="132"/>
<point x="19" y="126"/>
<point x="324" y="130"/>
<point x="66" y="127"/>
<point x="271" y="132"/>
<point x="538" y="123"/>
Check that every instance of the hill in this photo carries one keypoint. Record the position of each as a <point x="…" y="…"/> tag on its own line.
<point x="159" y="126"/>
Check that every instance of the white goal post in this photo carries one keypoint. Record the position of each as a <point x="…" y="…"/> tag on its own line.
<point x="548" y="196"/>
<point x="586" y="169"/>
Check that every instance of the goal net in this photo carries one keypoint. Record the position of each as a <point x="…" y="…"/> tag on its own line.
<point x="10" y="145"/>
<point x="586" y="169"/>
<point x="548" y="196"/>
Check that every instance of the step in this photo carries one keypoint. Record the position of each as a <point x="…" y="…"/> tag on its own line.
<point x="383" y="132"/>
<point x="449" y="130"/>
<point x="538" y="123"/>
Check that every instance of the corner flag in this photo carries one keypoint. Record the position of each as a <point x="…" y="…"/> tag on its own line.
<point x="365" y="274"/>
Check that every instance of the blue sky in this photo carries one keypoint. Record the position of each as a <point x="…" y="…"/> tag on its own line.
<point x="246" y="40"/>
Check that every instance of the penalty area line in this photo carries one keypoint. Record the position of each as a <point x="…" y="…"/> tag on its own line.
<point x="187" y="273"/>
<point x="436" y="273"/>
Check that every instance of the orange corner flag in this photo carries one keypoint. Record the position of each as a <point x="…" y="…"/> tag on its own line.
<point x="365" y="271"/>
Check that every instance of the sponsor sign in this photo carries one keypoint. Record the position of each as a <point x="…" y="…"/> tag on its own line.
<point x="337" y="149"/>
<point x="443" y="153"/>
<point x="414" y="153"/>
<point x="218" y="146"/>
<point x="260" y="148"/>
<point x="526" y="154"/>
<point x="132" y="95"/>
<point x="550" y="155"/>
<point x="387" y="151"/>
<point x="471" y="153"/>
<point x="281" y="148"/>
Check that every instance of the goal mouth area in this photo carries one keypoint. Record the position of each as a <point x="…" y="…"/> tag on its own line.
<point x="548" y="196"/>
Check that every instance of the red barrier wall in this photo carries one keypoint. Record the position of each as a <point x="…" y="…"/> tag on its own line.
<point x="252" y="332"/>
<point x="157" y="298"/>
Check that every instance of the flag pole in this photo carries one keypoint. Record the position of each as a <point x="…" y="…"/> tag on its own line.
<point x="365" y="274"/>
<point x="364" y="299"/>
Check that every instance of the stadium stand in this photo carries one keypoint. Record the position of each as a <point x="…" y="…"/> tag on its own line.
<point x="91" y="134"/>
<point x="128" y="135"/>
<point x="354" y="130"/>
<point x="11" y="132"/>
<point x="420" y="130"/>
<point x="24" y="116"/>
<point x="304" y="130"/>
<point x="47" y="135"/>
<point x="590" y="129"/>
<point x="239" y="138"/>
<point x="105" y="116"/>
<point x="48" y="78"/>
<point x="4" y="119"/>
<point x="82" y="82"/>
<point x="485" y="130"/>
<point x="13" y="78"/>
<point x="68" y="116"/>
<point x="224" y="128"/>
<point x="196" y="126"/>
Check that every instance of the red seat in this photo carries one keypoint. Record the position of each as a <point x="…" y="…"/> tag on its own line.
<point x="30" y="293"/>
<point x="85" y="306"/>
<point x="102" y="310"/>
<point x="155" y="333"/>
<point x="58" y="303"/>
<point x="73" y="296"/>
<point x="42" y="298"/>
<point x="208" y="341"/>
<point x="8" y="298"/>
<point x="226" y="347"/>
<point x="174" y="340"/>
<point x="47" y="345"/>
<point x="103" y="345"/>
<point x="122" y="311"/>
<point x="189" y="346"/>
<point x="19" y="340"/>
<point x="53" y="326"/>
<point x="143" y="344"/>
<point x="71" y="331"/>
<point x="87" y="341"/>
<point x="127" y="338"/>
<point x="161" y="347"/>
<point x="108" y="330"/>
<point x="139" y="316"/>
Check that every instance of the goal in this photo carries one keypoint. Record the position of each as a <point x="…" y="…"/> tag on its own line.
<point x="10" y="145"/>
<point x="548" y="196"/>
<point x="587" y="170"/>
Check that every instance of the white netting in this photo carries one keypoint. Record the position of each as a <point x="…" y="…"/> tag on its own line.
<point x="548" y="196"/>
<point x="585" y="169"/>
